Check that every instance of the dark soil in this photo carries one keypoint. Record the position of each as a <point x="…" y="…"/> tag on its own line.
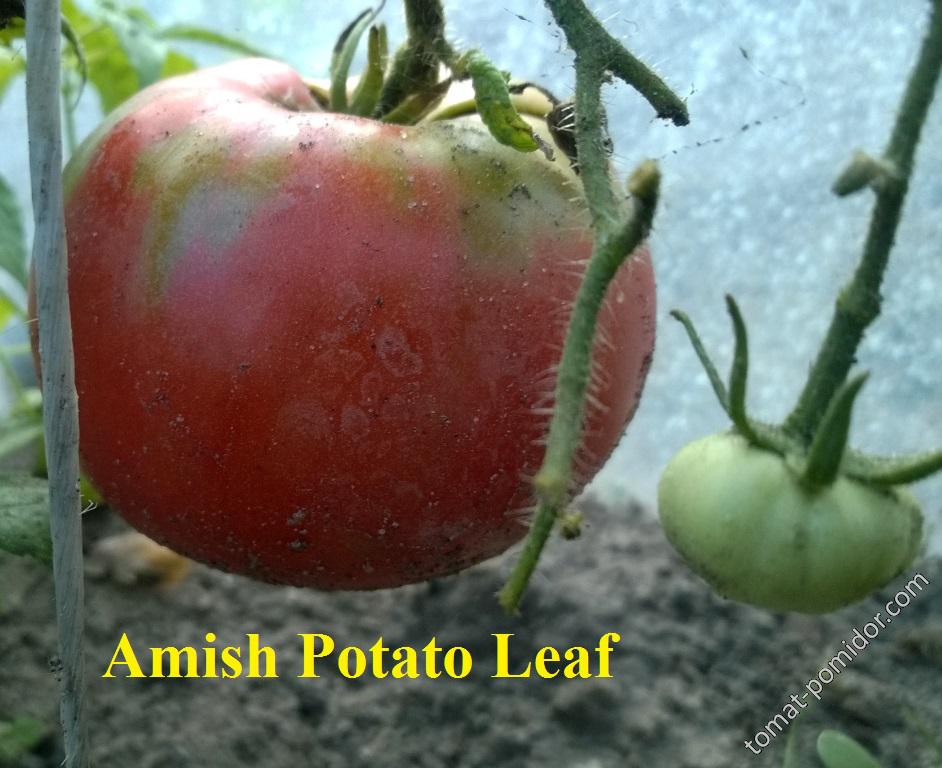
<point x="694" y="675"/>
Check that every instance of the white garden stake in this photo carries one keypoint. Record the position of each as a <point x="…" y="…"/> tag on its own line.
<point x="60" y="413"/>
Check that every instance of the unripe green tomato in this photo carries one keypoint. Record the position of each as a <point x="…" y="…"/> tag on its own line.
<point x="741" y="519"/>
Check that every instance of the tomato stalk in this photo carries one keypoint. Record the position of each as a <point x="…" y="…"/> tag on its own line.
<point x="617" y="235"/>
<point x="415" y="65"/>
<point x="599" y="50"/>
<point x="858" y="304"/>
<point x="824" y="507"/>
<point x="411" y="86"/>
<point x="552" y="483"/>
<point x="815" y="434"/>
<point x="58" y="370"/>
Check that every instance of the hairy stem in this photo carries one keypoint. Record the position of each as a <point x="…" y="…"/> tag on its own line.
<point x="553" y="481"/>
<point x="414" y="68"/>
<point x="616" y="235"/>
<point x="590" y="147"/>
<point x="589" y="39"/>
<point x="60" y="414"/>
<point x="858" y="304"/>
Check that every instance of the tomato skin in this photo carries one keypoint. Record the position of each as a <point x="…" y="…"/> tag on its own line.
<point x="743" y="522"/>
<point x="312" y="348"/>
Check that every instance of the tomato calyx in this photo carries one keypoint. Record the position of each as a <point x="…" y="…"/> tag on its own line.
<point x="788" y="516"/>
<point x="410" y="87"/>
<point x="827" y="455"/>
<point x="786" y="523"/>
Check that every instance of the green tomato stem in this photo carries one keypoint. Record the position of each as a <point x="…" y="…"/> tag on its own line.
<point x="553" y="481"/>
<point x="414" y="67"/>
<point x="589" y="39"/>
<point x="858" y="304"/>
<point x="591" y="154"/>
<point x="616" y="235"/>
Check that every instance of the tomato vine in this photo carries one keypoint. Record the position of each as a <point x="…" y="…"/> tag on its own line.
<point x="858" y="304"/>
<point x="617" y="233"/>
<point x="835" y="523"/>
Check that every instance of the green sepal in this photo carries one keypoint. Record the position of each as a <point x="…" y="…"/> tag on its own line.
<point x="738" y="374"/>
<point x="366" y="94"/>
<point x="418" y="105"/>
<point x="826" y="453"/>
<point x="892" y="470"/>
<point x="343" y="53"/>
<point x="838" y="750"/>
<point x="716" y="381"/>
<point x="733" y="399"/>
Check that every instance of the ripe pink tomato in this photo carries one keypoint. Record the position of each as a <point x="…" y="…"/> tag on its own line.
<point x="317" y="349"/>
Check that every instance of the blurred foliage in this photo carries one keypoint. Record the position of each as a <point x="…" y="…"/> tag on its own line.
<point x="12" y="249"/>
<point x="113" y="49"/>
<point x="123" y="47"/>
<point x="24" y="516"/>
<point x="18" y="737"/>
<point x="837" y="750"/>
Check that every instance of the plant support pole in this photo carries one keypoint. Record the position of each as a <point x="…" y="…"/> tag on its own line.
<point x="60" y="414"/>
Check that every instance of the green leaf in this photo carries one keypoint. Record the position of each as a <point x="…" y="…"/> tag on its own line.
<point x="19" y="737"/>
<point x="837" y="750"/>
<point x="21" y="393"/>
<point x="18" y="435"/>
<point x="109" y="69"/>
<point x="135" y="31"/>
<point x="176" y="63"/>
<point x="15" y="29"/>
<point x="12" y="64"/>
<point x="12" y="237"/>
<point x="24" y="516"/>
<point x="194" y="34"/>
<point x="7" y="309"/>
